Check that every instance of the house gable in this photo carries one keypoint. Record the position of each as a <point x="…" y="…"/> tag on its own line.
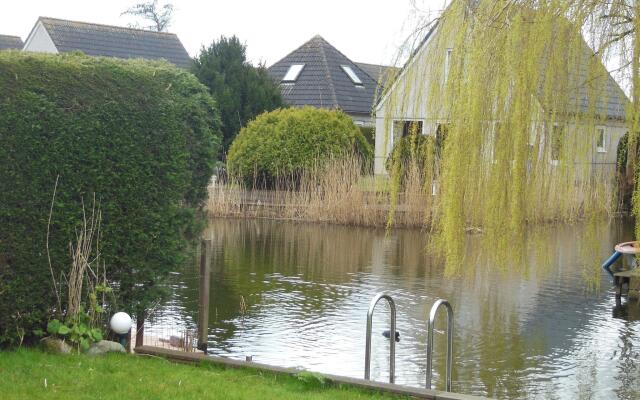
<point x="325" y="79"/>
<point x="409" y="98"/>
<point x="106" y="41"/>
<point x="39" y="40"/>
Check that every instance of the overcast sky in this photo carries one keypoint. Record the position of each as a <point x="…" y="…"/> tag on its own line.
<point x="364" y="30"/>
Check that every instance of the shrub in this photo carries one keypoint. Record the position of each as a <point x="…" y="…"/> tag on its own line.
<point x="141" y="136"/>
<point x="286" y="142"/>
<point x="369" y="133"/>
<point x="241" y="90"/>
<point x="626" y="165"/>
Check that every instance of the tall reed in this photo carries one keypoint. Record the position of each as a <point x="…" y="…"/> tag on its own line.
<point x="337" y="191"/>
<point x="340" y="191"/>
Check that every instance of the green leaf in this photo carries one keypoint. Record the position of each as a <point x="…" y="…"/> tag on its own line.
<point x="53" y="327"/>
<point x="84" y="344"/>
<point x="96" y="334"/>
<point x="63" y="330"/>
<point x="38" y="332"/>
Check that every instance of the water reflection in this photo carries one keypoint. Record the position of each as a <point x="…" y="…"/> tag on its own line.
<point x="540" y="324"/>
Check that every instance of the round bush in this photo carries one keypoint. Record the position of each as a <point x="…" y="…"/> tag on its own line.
<point x="282" y="144"/>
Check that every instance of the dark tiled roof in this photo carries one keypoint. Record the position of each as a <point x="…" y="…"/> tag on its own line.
<point x="115" y="41"/>
<point x="380" y="73"/>
<point x="10" y="42"/>
<point x="592" y="81"/>
<point x="322" y="82"/>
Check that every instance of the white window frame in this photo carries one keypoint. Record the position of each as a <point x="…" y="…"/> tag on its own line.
<point x="293" y="73"/>
<point x="603" y="148"/>
<point x="352" y="75"/>
<point x="447" y="62"/>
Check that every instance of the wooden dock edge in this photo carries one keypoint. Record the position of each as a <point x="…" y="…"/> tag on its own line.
<point x="184" y="357"/>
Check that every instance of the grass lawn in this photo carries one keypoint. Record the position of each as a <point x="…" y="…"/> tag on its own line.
<point x="31" y="374"/>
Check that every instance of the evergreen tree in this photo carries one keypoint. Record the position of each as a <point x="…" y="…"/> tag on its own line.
<point x="242" y="90"/>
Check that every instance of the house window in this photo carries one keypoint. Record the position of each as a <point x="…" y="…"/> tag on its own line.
<point x="293" y="73"/>
<point x="557" y="139"/>
<point x="447" y="63"/>
<point x="352" y="75"/>
<point x="403" y="128"/>
<point x="601" y="140"/>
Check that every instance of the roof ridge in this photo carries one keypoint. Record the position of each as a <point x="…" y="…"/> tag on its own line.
<point x="296" y="49"/>
<point x="375" y="65"/>
<point x="324" y="84"/>
<point x="11" y="36"/>
<point x="41" y="18"/>
<point x="327" y="70"/>
<point x="342" y="54"/>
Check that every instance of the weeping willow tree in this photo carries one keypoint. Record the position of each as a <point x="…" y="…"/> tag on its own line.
<point x="516" y="94"/>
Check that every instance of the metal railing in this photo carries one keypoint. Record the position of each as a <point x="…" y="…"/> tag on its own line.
<point x="392" y="337"/>
<point x="432" y="318"/>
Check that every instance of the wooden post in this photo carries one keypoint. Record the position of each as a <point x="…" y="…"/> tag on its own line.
<point x="140" y="329"/>
<point x="203" y="305"/>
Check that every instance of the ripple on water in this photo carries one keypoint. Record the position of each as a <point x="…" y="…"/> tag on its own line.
<point x="536" y="333"/>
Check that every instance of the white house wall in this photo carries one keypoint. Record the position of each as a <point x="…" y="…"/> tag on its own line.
<point x="363" y="120"/>
<point x="604" y="162"/>
<point x="408" y="99"/>
<point x="39" y="41"/>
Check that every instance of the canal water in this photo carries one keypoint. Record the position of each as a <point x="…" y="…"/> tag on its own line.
<point x="544" y="324"/>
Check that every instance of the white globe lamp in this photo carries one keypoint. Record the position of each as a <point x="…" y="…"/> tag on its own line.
<point x="121" y="324"/>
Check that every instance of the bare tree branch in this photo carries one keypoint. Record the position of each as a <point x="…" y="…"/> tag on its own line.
<point x="159" y="16"/>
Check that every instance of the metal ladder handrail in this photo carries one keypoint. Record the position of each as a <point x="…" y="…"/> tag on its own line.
<point x="367" y="353"/>
<point x="432" y="318"/>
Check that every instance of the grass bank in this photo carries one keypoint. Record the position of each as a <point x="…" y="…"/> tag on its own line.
<point x="31" y="374"/>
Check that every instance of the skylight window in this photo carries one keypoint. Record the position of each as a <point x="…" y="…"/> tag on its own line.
<point x="352" y="75"/>
<point x="293" y="72"/>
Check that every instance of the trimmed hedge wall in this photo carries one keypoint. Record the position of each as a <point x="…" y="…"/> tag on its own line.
<point x="281" y="144"/>
<point x="141" y="136"/>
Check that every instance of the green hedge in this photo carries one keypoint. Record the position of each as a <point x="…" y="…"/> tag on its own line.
<point x="285" y="142"/>
<point x="142" y="136"/>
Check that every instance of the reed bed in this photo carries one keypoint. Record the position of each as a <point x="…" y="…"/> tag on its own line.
<point x="338" y="191"/>
<point x="341" y="192"/>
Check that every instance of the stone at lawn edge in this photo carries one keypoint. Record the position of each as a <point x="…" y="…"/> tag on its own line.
<point x="55" y="346"/>
<point x="104" y="347"/>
